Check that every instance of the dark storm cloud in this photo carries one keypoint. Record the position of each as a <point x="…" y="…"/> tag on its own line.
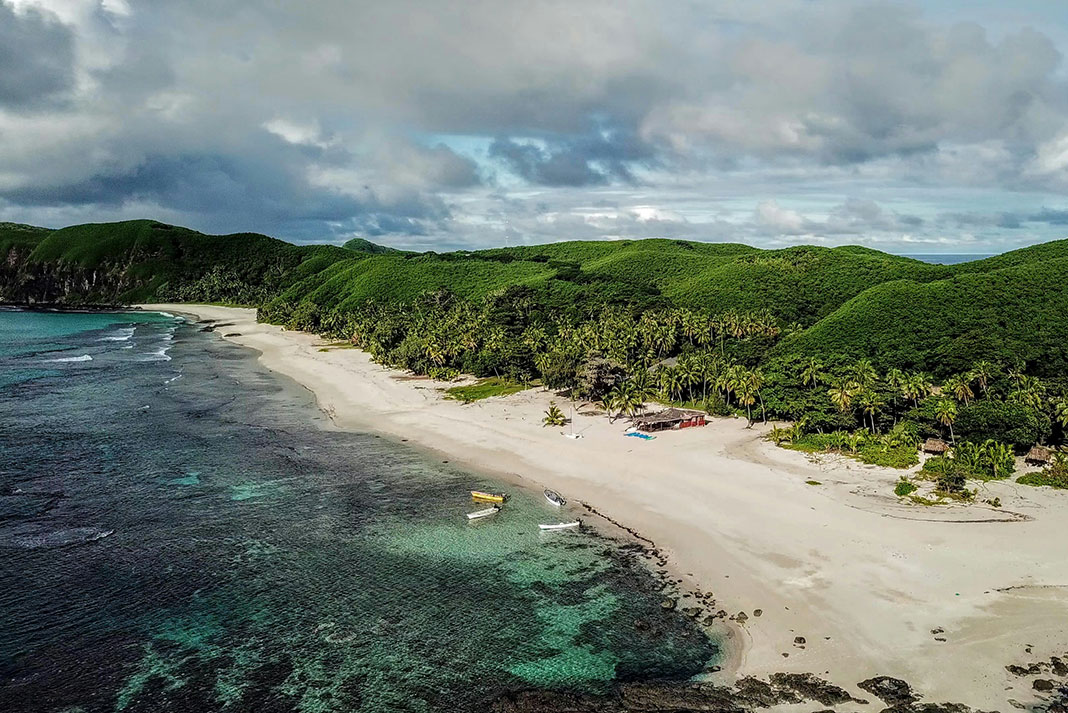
<point x="596" y="158"/>
<point x="410" y="117"/>
<point x="36" y="57"/>
<point x="1047" y="215"/>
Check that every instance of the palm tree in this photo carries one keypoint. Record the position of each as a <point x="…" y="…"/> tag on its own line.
<point x="870" y="403"/>
<point x="895" y="379"/>
<point x="746" y="397"/>
<point x="864" y="373"/>
<point x="946" y="413"/>
<point x="982" y="372"/>
<point x="554" y="416"/>
<point x="755" y="380"/>
<point x="609" y="404"/>
<point x="960" y="389"/>
<point x="812" y="373"/>
<point x="1029" y="391"/>
<point x="1016" y="374"/>
<point x="842" y="395"/>
<point x="917" y="385"/>
<point x="1060" y="413"/>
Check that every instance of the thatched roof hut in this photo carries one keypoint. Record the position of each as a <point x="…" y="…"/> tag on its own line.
<point x="1039" y="455"/>
<point x="936" y="446"/>
<point x="670" y="418"/>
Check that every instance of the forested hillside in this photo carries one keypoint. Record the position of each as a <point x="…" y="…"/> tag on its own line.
<point x="134" y="261"/>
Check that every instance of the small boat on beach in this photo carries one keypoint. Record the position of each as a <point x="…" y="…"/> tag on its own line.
<point x="560" y="525"/>
<point x="478" y="514"/>
<point x="554" y="498"/>
<point x="487" y="497"/>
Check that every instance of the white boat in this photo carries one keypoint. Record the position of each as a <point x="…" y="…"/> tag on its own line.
<point x="483" y="513"/>
<point x="560" y="525"/>
<point x="555" y="498"/>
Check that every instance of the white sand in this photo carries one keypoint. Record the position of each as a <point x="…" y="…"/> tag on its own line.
<point x="863" y="577"/>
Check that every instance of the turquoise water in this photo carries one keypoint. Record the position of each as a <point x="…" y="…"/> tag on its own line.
<point x="180" y="532"/>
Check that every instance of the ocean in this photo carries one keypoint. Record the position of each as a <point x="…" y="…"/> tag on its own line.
<point x="181" y="530"/>
<point x="947" y="258"/>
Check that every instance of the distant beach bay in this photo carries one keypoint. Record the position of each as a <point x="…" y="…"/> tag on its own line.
<point x="180" y="532"/>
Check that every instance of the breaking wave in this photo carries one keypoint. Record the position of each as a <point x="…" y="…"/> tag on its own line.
<point x="121" y="335"/>
<point x="83" y="357"/>
<point x="61" y="538"/>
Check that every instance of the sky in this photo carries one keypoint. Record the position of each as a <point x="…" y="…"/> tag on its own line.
<point x="933" y="127"/>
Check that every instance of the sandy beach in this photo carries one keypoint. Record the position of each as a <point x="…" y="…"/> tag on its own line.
<point x="943" y="597"/>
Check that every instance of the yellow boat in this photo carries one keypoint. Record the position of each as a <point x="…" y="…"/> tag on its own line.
<point x="487" y="497"/>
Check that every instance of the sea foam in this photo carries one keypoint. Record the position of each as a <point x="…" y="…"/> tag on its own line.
<point x="83" y="357"/>
<point x="122" y="335"/>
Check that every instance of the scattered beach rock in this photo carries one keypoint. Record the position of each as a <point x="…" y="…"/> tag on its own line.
<point x="667" y="604"/>
<point x="232" y="334"/>
<point x="1042" y="684"/>
<point x="758" y="612"/>
<point x="799" y="640"/>
<point x="892" y="691"/>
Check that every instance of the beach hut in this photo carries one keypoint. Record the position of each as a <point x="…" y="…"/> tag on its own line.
<point x="669" y="419"/>
<point x="935" y="446"/>
<point x="1039" y="455"/>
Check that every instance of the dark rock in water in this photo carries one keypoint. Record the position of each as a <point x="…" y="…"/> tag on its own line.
<point x="747" y="695"/>
<point x="232" y="334"/>
<point x="209" y="328"/>
<point x="812" y="688"/>
<point x="667" y="604"/>
<point x="763" y="694"/>
<point x="1058" y="666"/>
<point x="892" y="691"/>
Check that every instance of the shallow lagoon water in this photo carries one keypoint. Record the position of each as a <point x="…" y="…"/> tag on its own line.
<point x="208" y="543"/>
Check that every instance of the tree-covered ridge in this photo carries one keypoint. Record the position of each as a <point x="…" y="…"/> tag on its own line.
<point x="1017" y="313"/>
<point x="140" y="260"/>
<point x="361" y="245"/>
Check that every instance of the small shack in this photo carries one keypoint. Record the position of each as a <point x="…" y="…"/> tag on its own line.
<point x="935" y="446"/>
<point x="670" y="419"/>
<point x="1039" y="455"/>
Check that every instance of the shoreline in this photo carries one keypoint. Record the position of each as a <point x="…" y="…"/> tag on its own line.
<point x="860" y="579"/>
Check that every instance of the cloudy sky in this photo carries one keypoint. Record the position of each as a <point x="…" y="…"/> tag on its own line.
<point x="939" y="126"/>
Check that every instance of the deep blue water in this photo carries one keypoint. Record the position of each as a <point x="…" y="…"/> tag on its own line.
<point x="181" y="531"/>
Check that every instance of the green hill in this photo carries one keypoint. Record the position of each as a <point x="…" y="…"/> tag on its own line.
<point x="141" y="259"/>
<point x="360" y="245"/>
<point x="1015" y="313"/>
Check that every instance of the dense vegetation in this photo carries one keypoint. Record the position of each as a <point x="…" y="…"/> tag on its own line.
<point x="141" y="260"/>
<point x="866" y="352"/>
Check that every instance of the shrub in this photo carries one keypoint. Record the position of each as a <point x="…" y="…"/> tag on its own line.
<point x="1004" y="421"/>
<point x="904" y="487"/>
<point x="554" y="416"/>
<point x="1055" y="475"/>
